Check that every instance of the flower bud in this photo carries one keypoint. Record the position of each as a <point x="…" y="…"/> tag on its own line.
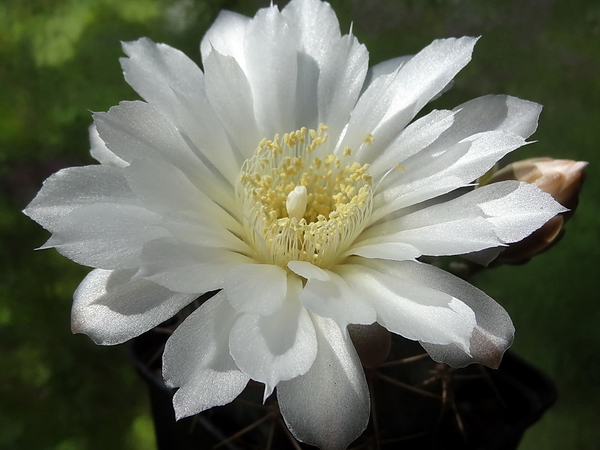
<point x="562" y="179"/>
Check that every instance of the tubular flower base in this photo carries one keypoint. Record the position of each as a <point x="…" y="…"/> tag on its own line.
<point x="294" y="180"/>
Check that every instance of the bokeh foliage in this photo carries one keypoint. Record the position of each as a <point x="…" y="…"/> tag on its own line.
<point x="59" y="61"/>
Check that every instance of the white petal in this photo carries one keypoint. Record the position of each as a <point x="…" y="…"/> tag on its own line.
<point x="95" y="218"/>
<point x="368" y="112"/>
<point x="198" y="229"/>
<point x="271" y="68"/>
<point x="448" y="228"/>
<point x="336" y="300"/>
<point x="159" y="72"/>
<point x="340" y="83"/>
<point x="371" y="248"/>
<point x="256" y="288"/>
<point x="519" y="210"/>
<point x="308" y="270"/>
<point x="453" y="237"/>
<point x="329" y="405"/>
<point x="229" y="93"/>
<point x="493" y="112"/>
<point x="490" y="113"/>
<point x="414" y="138"/>
<point x="105" y="236"/>
<point x="489" y="216"/>
<point x="138" y="130"/>
<point x="100" y="151"/>
<point x="314" y="25"/>
<point x="436" y="171"/>
<point x="276" y="347"/>
<point x="410" y="309"/>
<point x="383" y="115"/>
<point x="306" y="98"/>
<point x="165" y="189"/>
<point x="494" y="331"/>
<point x="76" y="187"/>
<point x="226" y="35"/>
<point x="174" y="84"/>
<point x="111" y="308"/>
<point x="342" y="62"/>
<point x="465" y="159"/>
<point x="197" y="360"/>
<point x="184" y="267"/>
<point x="430" y="71"/>
<point x="135" y="130"/>
<point x="484" y="257"/>
<point x="506" y="116"/>
<point x="386" y="67"/>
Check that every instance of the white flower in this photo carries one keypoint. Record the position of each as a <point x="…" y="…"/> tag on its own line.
<point x="296" y="181"/>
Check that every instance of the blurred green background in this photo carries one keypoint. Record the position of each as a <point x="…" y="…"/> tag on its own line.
<point x="59" y="61"/>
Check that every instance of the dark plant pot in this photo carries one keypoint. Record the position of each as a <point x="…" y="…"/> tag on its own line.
<point x="433" y="406"/>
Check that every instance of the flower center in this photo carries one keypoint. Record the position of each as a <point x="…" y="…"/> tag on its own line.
<point x="301" y="207"/>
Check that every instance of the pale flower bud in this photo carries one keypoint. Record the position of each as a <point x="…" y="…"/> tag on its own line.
<point x="562" y="179"/>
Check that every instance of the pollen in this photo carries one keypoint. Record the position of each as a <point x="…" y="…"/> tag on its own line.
<point x="302" y="202"/>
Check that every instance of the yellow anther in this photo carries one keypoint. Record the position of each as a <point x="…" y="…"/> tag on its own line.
<point x="369" y="139"/>
<point x="298" y="206"/>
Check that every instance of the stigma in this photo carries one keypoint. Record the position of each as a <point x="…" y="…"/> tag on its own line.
<point x="296" y="203"/>
<point x="302" y="202"/>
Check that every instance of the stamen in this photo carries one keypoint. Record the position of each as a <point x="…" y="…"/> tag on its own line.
<point x="300" y="207"/>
